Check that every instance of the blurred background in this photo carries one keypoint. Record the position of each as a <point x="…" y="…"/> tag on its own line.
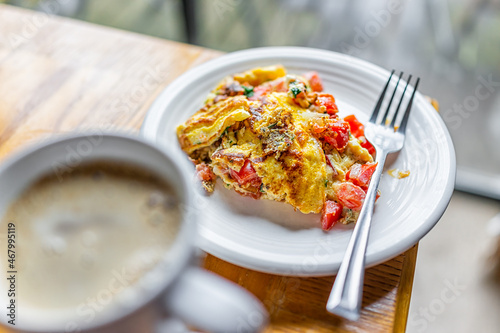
<point x="453" y="45"/>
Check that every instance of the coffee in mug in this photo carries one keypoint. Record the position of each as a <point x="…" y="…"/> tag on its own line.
<point x="83" y="238"/>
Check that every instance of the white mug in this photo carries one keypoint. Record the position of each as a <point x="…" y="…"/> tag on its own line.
<point x="185" y="291"/>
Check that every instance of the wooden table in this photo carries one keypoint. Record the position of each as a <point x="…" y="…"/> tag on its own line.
<point x="59" y="75"/>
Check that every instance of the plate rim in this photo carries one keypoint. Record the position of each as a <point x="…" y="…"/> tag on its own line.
<point x="150" y="130"/>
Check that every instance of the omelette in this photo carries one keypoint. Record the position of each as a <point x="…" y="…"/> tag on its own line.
<point x="272" y="135"/>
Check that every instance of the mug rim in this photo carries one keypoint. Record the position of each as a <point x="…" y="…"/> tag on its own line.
<point x="183" y="243"/>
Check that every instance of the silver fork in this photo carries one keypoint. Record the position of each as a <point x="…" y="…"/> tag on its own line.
<point x="345" y="297"/>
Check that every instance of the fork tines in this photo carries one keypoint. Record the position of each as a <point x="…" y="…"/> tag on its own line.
<point x="384" y="118"/>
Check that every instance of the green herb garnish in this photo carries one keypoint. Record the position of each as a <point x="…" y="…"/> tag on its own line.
<point x="296" y="87"/>
<point x="295" y="91"/>
<point x="248" y="91"/>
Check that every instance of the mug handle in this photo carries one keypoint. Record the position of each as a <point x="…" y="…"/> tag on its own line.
<point x="212" y="303"/>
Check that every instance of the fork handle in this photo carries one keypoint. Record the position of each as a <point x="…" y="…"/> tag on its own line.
<point x="345" y="297"/>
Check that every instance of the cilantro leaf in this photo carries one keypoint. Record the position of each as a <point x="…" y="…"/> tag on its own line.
<point x="248" y="91"/>
<point x="295" y="91"/>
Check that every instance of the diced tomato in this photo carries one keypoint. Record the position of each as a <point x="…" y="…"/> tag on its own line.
<point x="339" y="135"/>
<point x="260" y="91"/>
<point x="365" y="188"/>
<point x="246" y="175"/>
<point x="357" y="128"/>
<point x="279" y="85"/>
<point x="328" y="101"/>
<point x="329" y="161"/>
<point x="332" y="211"/>
<point x="204" y="172"/>
<point x="318" y="126"/>
<point x="351" y="196"/>
<point x="365" y="144"/>
<point x="360" y="174"/>
<point x="333" y="130"/>
<point x="253" y="195"/>
<point x="314" y="81"/>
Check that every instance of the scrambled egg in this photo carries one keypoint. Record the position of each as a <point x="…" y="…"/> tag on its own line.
<point x="273" y="136"/>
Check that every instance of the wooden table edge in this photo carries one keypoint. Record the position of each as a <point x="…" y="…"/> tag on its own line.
<point x="403" y="296"/>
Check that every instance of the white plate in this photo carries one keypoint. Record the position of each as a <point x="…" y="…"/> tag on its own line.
<point x="272" y="237"/>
